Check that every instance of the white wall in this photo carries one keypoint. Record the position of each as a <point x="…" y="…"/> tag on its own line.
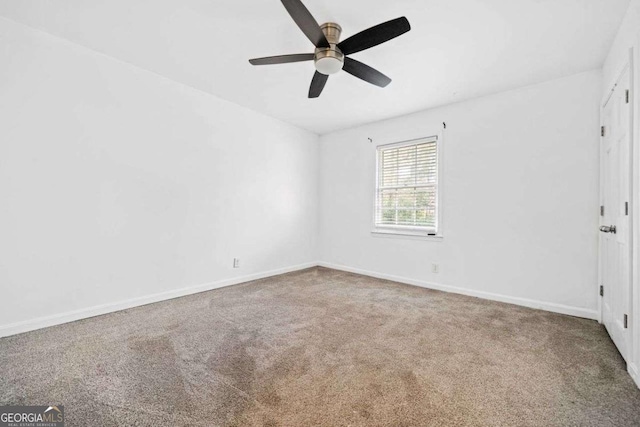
<point x="628" y="37"/>
<point x="118" y="184"/>
<point x="520" y="198"/>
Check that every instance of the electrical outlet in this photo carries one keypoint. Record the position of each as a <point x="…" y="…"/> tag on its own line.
<point x="236" y="263"/>
<point x="435" y="268"/>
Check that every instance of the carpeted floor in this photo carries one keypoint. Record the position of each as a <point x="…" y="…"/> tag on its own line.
<point x="325" y="348"/>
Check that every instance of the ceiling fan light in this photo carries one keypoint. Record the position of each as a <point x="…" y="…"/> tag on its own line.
<point x="328" y="65"/>
<point x="328" y="60"/>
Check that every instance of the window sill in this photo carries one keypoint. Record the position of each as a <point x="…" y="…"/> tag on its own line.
<point x="399" y="233"/>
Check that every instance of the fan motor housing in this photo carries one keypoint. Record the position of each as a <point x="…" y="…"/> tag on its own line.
<point x="329" y="60"/>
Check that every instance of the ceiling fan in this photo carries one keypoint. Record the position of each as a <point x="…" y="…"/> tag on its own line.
<point x="331" y="54"/>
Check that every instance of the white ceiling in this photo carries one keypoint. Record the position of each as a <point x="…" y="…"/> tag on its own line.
<point x="457" y="49"/>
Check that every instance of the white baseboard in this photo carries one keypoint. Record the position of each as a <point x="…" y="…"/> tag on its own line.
<point x="547" y="306"/>
<point x="70" y="316"/>
<point x="634" y="372"/>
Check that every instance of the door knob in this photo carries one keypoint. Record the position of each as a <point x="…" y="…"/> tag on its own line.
<point x="608" y="229"/>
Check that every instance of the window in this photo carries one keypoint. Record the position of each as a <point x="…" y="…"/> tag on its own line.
<point x="407" y="188"/>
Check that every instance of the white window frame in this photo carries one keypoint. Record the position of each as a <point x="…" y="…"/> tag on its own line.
<point x="411" y="231"/>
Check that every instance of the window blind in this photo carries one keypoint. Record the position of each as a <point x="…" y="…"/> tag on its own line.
<point x="407" y="188"/>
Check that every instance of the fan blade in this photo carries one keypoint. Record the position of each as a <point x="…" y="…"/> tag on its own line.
<point x="306" y="22"/>
<point x="317" y="84"/>
<point x="375" y="35"/>
<point x="282" y="59"/>
<point x="364" y="72"/>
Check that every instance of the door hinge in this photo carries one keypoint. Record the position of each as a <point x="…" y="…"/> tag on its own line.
<point x="601" y="130"/>
<point x="601" y="290"/>
<point x="602" y="210"/>
<point x="626" y="321"/>
<point x="626" y="208"/>
<point x="627" y="96"/>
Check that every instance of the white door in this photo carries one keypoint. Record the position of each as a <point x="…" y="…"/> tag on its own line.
<point x="615" y="233"/>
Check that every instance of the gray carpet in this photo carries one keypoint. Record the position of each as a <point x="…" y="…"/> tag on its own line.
<point x="327" y="348"/>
